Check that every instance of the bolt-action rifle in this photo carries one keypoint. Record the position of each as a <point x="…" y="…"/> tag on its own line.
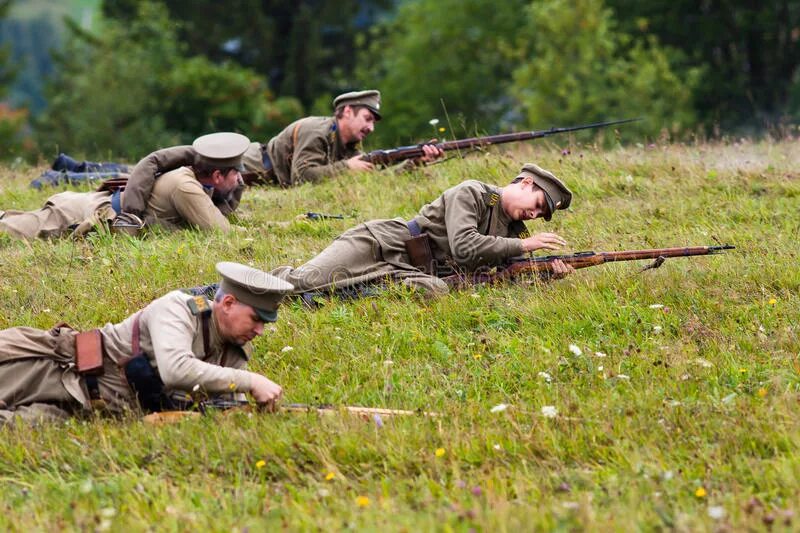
<point x="395" y="155"/>
<point x="203" y="407"/>
<point x="543" y="265"/>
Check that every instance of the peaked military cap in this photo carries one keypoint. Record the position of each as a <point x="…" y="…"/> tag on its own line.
<point x="557" y="195"/>
<point x="261" y="291"/>
<point x="370" y="99"/>
<point x="221" y="150"/>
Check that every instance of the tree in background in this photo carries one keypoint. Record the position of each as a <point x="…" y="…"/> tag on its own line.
<point x="434" y="52"/>
<point x="576" y="66"/>
<point x="304" y="49"/>
<point x="749" y="53"/>
<point x="12" y="120"/>
<point x="131" y="89"/>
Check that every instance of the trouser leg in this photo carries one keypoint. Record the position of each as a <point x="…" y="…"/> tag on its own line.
<point x="33" y="389"/>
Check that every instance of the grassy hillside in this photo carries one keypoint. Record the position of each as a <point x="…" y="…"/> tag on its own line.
<point x="675" y="390"/>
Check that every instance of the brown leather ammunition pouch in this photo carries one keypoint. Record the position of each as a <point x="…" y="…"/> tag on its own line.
<point x="418" y="247"/>
<point x="89" y="353"/>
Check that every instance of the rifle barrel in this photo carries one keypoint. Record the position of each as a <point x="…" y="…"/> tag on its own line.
<point x="410" y="152"/>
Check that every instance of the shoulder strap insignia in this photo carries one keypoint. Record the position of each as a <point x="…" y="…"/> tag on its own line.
<point x="198" y="305"/>
<point x="491" y="198"/>
<point x="519" y="229"/>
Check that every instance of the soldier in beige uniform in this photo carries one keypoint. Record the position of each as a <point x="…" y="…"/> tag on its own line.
<point x="183" y="197"/>
<point x="178" y="343"/>
<point x="471" y="226"/>
<point x="307" y="150"/>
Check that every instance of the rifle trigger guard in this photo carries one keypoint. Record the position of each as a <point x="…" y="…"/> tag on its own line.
<point x="655" y="264"/>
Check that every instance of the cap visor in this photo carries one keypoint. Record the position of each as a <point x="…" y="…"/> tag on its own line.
<point x="374" y="112"/>
<point x="267" y="316"/>
<point x="550" y="206"/>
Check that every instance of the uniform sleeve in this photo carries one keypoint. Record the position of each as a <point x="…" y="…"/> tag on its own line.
<point x="310" y="160"/>
<point x="143" y="176"/>
<point x="172" y="328"/>
<point x="470" y="248"/>
<point x="197" y="209"/>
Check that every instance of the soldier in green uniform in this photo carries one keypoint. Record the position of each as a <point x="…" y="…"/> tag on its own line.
<point x="196" y="196"/>
<point x="471" y="226"/>
<point x="307" y="150"/>
<point x="176" y="344"/>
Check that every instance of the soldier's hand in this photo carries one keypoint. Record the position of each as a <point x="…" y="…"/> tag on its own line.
<point x="358" y="164"/>
<point x="432" y="152"/>
<point x="265" y="392"/>
<point x="560" y="269"/>
<point x="546" y="241"/>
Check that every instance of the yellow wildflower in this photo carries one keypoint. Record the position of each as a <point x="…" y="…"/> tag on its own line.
<point x="440" y="452"/>
<point x="442" y="130"/>
<point x="477" y="356"/>
<point x="261" y="464"/>
<point x="762" y="392"/>
<point x="232" y="386"/>
<point x="330" y="476"/>
<point x="772" y="301"/>
<point x="743" y="370"/>
<point x="700" y="492"/>
<point x="362" y="501"/>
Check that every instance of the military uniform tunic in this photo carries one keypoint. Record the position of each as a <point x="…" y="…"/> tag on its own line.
<point x="37" y="367"/>
<point x="146" y="172"/>
<point x="177" y="200"/>
<point x="309" y="150"/>
<point x="467" y="226"/>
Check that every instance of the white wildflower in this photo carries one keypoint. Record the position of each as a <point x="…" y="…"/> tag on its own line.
<point x="496" y="447"/>
<point x="549" y="411"/>
<point x="286" y="349"/>
<point x="600" y="368"/>
<point x="196" y="388"/>
<point x="729" y="398"/>
<point x="499" y="408"/>
<point x="703" y="362"/>
<point x="433" y="121"/>
<point x="717" y="512"/>
<point x="388" y="362"/>
<point x="667" y="475"/>
<point x="600" y="354"/>
<point x="545" y="376"/>
<point x="657" y="329"/>
<point x="575" y="349"/>
<point x="656" y="306"/>
<point x="623" y="376"/>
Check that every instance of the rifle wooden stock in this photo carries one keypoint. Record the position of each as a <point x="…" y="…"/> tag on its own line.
<point x="544" y="264"/>
<point x="395" y="155"/>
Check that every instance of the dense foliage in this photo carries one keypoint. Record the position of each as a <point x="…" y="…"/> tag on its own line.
<point x="688" y="68"/>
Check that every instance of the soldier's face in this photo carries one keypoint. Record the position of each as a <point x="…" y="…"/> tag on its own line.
<point x="238" y="323"/>
<point x="524" y="200"/>
<point x="354" y="126"/>
<point x="226" y="183"/>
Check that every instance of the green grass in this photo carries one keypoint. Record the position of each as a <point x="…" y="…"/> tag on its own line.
<point x="700" y="393"/>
